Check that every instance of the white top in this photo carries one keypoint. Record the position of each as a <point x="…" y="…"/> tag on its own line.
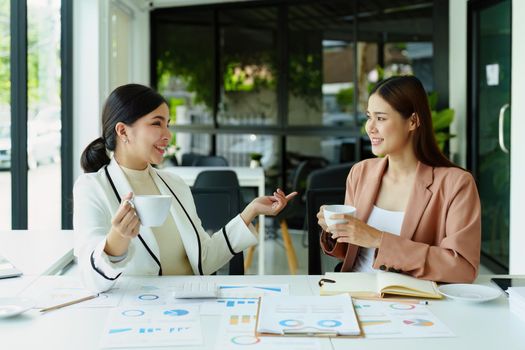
<point x="173" y="257"/>
<point x="383" y="220"/>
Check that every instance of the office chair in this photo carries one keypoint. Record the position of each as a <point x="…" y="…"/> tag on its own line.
<point x="189" y="158"/>
<point x="216" y="178"/>
<point x="329" y="177"/>
<point x="220" y="179"/>
<point x="216" y="206"/>
<point x="210" y="161"/>
<point x="314" y="199"/>
<point x="294" y="209"/>
<point x="332" y="177"/>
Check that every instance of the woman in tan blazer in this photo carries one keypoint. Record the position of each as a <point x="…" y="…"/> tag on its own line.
<point x="417" y="212"/>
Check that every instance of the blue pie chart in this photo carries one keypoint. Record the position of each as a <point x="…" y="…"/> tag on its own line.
<point x="329" y="323"/>
<point x="176" y="312"/>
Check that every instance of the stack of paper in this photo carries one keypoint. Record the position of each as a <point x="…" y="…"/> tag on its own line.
<point x="307" y="315"/>
<point x="517" y="301"/>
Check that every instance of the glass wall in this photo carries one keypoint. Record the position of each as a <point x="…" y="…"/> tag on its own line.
<point x="289" y="80"/>
<point x="185" y="143"/>
<point x="397" y="40"/>
<point x="184" y="65"/>
<point x="321" y="64"/>
<point x="5" y="116"/>
<point x="248" y="66"/>
<point x="44" y="124"/>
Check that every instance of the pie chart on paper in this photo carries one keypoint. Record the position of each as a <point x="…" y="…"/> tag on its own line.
<point x="418" y="322"/>
<point x="176" y="312"/>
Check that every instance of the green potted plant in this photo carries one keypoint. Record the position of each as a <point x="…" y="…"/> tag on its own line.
<point x="255" y="160"/>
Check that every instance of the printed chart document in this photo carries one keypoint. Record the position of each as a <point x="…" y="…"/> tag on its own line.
<point x="49" y="291"/>
<point x="152" y="326"/>
<point x="237" y="331"/>
<point x="359" y="284"/>
<point x="251" y="290"/>
<point x="384" y="319"/>
<point x="223" y="306"/>
<point x="146" y="295"/>
<point x="307" y="316"/>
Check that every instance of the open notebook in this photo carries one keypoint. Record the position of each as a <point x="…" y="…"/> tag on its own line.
<point x="7" y="269"/>
<point x="359" y="284"/>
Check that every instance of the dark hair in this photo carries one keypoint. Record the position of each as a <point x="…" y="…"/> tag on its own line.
<point x="125" y="104"/>
<point x="407" y="96"/>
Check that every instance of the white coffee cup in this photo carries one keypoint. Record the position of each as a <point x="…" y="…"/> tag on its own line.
<point x="152" y="209"/>
<point x="330" y="210"/>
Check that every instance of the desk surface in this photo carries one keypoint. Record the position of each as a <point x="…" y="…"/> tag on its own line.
<point x="37" y="252"/>
<point x="476" y="326"/>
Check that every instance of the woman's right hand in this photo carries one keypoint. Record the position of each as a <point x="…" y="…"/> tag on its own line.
<point x="320" y="219"/>
<point x="124" y="227"/>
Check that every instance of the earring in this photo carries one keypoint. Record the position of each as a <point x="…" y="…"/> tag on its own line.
<point x="126" y="141"/>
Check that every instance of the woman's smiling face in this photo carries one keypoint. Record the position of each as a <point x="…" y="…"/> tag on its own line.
<point x="148" y="138"/>
<point x="388" y="131"/>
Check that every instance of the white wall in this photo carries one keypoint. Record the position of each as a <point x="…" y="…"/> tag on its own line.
<point x="92" y="65"/>
<point x="517" y="184"/>
<point x="86" y="77"/>
<point x="140" y="44"/>
<point x="458" y="78"/>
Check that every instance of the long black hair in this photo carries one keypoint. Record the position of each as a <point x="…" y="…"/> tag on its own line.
<point x="125" y="104"/>
<point x="407" y="96"/>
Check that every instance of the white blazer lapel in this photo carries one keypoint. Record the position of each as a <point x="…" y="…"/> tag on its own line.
<point x="123" y="188"/>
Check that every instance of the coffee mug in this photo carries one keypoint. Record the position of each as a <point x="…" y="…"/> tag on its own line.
<point x="152" y="209"/>
<point x="330" y="210"/>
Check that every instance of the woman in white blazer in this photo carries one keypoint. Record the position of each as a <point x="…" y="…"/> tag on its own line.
<point x="109" y="240"/>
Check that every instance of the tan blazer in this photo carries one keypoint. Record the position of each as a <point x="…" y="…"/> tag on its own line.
<point x="440" y="236"/>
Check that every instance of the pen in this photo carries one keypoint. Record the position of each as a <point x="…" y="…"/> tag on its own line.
<point x="325" y="280"/>
<point x="396" y="300"/>
<point x="72" y="302"/>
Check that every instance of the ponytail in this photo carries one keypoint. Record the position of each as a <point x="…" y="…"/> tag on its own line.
<point x="126" y="104"/>
<point x="94" y="156"/>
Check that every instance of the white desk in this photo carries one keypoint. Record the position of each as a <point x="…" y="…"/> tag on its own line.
<point x="37" y="252"/>
<point x="476" y="326"/>
<point x="248" y="177"/>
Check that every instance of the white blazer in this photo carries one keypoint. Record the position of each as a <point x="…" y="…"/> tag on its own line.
<point x="95" y="203"/>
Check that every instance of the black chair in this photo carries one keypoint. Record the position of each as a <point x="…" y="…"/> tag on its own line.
<point x="216" y="206"/>
<point x="314" y="199"/>
<point x="189" y="158"/>
<point x="329" y="177"/>
<point x="216" y="178"/>
<point x="210" y="161"/>
<point x="295" y="210"/>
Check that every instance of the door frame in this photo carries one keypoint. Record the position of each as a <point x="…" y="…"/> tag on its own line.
<point x="473" y="8"/>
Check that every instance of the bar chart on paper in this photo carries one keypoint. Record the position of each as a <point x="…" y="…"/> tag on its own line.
<point x="229" y="306"/>
<point x="150" y="326"/>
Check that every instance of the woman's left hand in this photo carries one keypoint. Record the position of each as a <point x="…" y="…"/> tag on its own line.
<point x="355" y="231"/>
<point x="267" y="205"/>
